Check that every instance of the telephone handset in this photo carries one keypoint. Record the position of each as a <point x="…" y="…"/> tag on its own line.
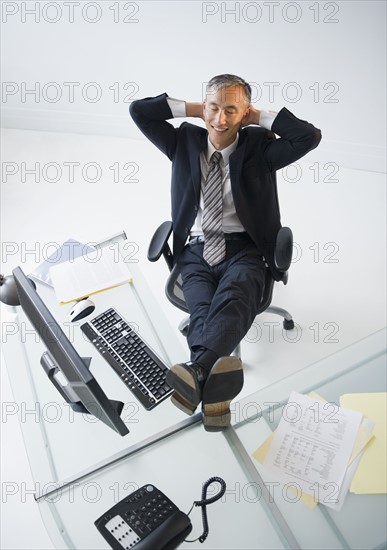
<point x="148" y="520"/>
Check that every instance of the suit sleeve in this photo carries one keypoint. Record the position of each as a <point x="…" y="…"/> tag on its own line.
<point x="297" y="138"/>
<point x="151" y="115"/>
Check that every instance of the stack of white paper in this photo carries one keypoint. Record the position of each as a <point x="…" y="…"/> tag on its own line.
<point x="315" y="449"/>
<point x="99" y="270"/>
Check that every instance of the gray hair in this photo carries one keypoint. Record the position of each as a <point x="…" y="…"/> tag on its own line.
<point x="225" y="80"/>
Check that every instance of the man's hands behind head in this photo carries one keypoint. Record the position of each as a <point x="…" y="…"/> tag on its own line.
<point x="251" y="117"/>
<point x="194" y="110"/>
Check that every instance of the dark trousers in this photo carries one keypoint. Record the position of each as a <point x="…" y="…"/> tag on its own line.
<point x="222" y="300"/>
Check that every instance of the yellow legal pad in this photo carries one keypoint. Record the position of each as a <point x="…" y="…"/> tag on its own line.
<point x="370" y="477"/>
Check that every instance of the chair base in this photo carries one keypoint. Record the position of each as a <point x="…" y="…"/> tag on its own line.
<point x="288" y="322"/>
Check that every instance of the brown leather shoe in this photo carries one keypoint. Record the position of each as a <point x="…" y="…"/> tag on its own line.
<point x="224" y="383"/>
<point x="187" y="379"/>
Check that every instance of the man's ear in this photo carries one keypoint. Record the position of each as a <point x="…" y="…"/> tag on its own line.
<point x="246" y="115"/>
<point x="245" y="119"/>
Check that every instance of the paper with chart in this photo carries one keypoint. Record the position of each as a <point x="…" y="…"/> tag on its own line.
<point x="312" y="446"/>
<point x="364" y="436"/>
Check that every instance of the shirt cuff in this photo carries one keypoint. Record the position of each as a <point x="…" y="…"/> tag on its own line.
<point x="177" y="107"/>
<point x="266" y="119"/>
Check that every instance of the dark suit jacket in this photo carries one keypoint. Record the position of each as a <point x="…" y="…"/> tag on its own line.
<point x="252" y="168"/>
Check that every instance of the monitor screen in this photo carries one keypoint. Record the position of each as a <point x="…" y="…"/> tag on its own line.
<point x="68" y="371"/>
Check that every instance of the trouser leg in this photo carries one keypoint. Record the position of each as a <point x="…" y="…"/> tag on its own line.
<point x="199" y="287"/>
<point x="222" y="300"/>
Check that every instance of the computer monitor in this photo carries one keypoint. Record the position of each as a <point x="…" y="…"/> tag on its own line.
<point x="68" y="371"/>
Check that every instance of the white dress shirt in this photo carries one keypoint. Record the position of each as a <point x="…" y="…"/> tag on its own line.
<point x="231" y="222"/>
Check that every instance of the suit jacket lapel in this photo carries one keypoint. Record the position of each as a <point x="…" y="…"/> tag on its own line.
<point x="235" y="165"/>
<point x="194" y="158"/>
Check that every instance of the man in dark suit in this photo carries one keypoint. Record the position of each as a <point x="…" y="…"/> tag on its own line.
<point x="226" y="217"/>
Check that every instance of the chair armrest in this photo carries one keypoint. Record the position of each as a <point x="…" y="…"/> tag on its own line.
<point x="283" y="249"/>
<point x="159" y="244"/>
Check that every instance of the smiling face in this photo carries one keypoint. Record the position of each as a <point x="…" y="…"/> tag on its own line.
<point x="224" y="111"/>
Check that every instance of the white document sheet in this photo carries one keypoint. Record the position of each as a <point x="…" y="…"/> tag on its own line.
<point x="91" y="273"/>
<point x="69" y="250"/>
<point x="312" y="446"/>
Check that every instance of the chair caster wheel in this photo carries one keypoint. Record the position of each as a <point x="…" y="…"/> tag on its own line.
<point x="288" y="324"/>
<point x="184" y="331"/>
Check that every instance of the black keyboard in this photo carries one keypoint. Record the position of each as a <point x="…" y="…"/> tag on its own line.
<point x="132" y="359"/>
<point x="144" y="520"/>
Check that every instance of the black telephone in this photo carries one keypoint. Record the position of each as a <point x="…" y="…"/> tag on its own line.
<point x="149" y="520"/>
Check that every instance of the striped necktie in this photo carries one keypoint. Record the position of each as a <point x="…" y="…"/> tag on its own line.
<point x="214" y="242"/>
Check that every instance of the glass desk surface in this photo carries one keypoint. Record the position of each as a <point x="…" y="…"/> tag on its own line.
<point x="361" y="523"/>
<point x="59" y="442"/>
<point x="245" y="518"/>
<point x="81" y="467"/>
<point x="178" y="466"/>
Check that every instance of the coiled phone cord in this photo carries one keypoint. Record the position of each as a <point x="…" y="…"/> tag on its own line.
<point x="204" y="502"/>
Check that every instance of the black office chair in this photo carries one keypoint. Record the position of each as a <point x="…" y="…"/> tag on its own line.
<point x="174" y="291"/>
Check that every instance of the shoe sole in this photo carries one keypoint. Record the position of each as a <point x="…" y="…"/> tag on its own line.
<point x="187" y="395"/>
<point x="224" y="383"/>
<point x="182" y="404"/>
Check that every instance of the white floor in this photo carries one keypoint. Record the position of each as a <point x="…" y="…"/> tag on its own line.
<point x="336" y="291"/>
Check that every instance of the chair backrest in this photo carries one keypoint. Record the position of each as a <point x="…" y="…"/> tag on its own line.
<point x="174" y="289"/>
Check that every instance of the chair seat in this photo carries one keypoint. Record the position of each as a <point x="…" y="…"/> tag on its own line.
<point x="174" y="289"/>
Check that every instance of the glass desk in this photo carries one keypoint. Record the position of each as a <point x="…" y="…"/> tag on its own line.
<point x="59" y="442"/>
<point x="361" y="523"/>
<point x="82" y="468"/>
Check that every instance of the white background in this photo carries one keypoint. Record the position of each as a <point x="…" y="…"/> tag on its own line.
<point x="324" y="61"/>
